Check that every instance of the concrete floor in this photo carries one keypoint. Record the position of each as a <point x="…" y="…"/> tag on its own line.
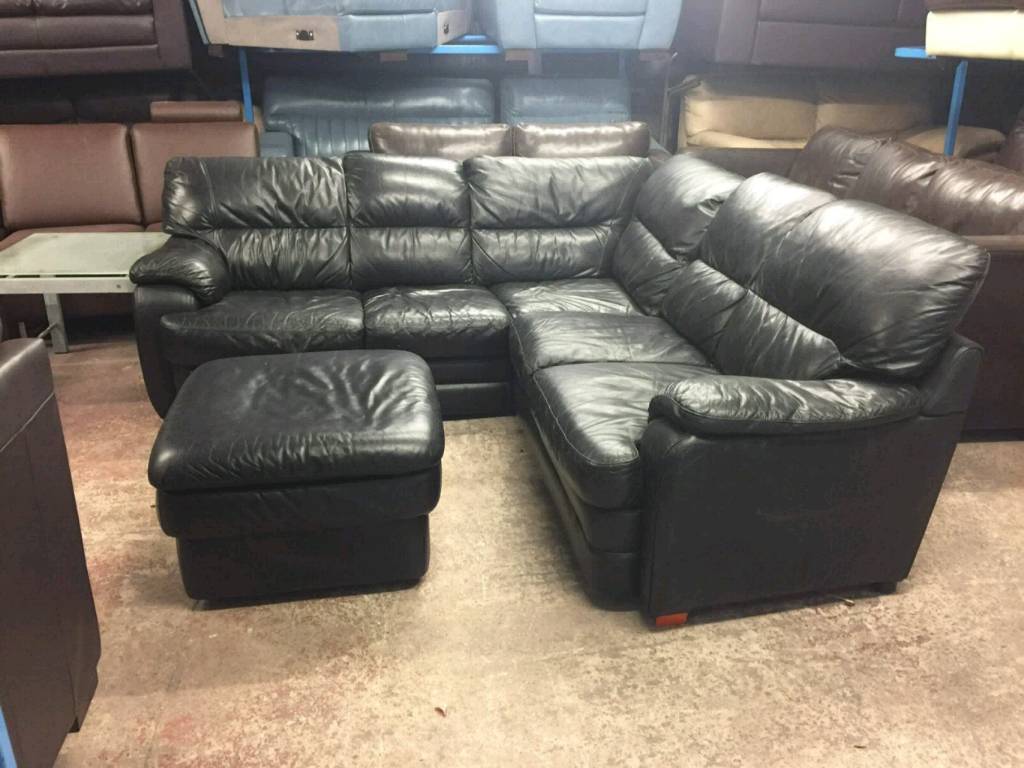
<point x="498" y="659"/>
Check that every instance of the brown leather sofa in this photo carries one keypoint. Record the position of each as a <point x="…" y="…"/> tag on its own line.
<point x="800" y="33"/>
<point x="101" y="177"/>
<point x="983" y="202"/>
<point x="1012" y="154"/>
<point x="45" y="38"/>
<point x="461" y="142"/>
<point x="51" y="640"/>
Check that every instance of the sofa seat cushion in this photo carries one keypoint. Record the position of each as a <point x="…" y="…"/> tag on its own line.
<point x="591" y="417"/>
<point x="602" y="295"/>
<point x="21" y="234"/>
<point x="561" y="338"/>
<point x="289" y="420"/>
<point x="262" y="323"/>
<point x="444" y="322"/>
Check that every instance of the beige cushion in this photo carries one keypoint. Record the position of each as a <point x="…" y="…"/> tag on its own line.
<point x="871" y="105"/>
<point x="970" y="141"/>
<point x="732" y="141"/>
<point x="976" y="34"/>
<point x="782" y="108"/>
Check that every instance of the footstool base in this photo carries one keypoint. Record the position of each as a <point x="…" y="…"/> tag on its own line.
<point x="395" y="552"/>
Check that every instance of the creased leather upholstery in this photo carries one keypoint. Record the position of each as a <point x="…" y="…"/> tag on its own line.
<point x="671" y="215"/>
<point x="409" y="221"/>
<point x="452" y="142"/>
<point x="437" y="322"/>
<point x="586" y="295"/>
<point x="263" y="323"/>
<point x="735" y="405"/>
<point x="548" y="339"/>
<point x="897" y="176"/>
<point x="834" y="159"/>
<point x="188" y="263"/>
<point x="976" y="198"/>
<point x="822" y="289"/>
<point x="632" y="139"/>
<point x="549" y="219"/>
<point x="279" y="222"/>
<point x="591" y="417"/>
<point x="320" y="417"/>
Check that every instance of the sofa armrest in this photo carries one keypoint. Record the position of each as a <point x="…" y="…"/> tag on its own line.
<point x="740" y="405"/>
<point x="186" y="263"/>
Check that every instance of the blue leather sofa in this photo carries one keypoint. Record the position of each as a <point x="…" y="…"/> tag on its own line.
<point x="564" y="100"/>
<point x="334" y="25"/>
<point x="311" y="117"/>
<point x="573" y="24"/>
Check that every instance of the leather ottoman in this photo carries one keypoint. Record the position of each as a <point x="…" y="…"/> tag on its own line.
<point x="288" y="473"/>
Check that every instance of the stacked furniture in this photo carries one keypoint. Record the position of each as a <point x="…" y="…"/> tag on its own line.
<point x="317" y="117"/>
<point x="51" y="640"/>
<point x="313" y="117"/>
<point x="800" y="33"/>
<point x="980" y="201"/>
<point x="683" y="344"/>
<point x="781" y="111"/>
<point x="44" y="38"/>
<point x="336" y="25"/>
<point x="571" y="24"/>
<point x="98" y="177"/>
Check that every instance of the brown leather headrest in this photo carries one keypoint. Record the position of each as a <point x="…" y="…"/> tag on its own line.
<point x="898" y="176"/>
<point x="451" y="142"/>
<point x="631" y="139"/>
<point x="834" y="159"/>
<point x="195" y="111"/>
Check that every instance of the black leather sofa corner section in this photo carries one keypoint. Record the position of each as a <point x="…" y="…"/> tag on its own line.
<point x="719" y="374"/>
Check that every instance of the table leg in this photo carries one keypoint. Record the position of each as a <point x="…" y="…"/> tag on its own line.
<point x="956" y="104"/>
<point x="55" y="318"/>
<point x="243" y="70"/>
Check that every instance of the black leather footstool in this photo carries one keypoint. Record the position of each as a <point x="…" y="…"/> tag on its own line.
<point x="287" y="473"/>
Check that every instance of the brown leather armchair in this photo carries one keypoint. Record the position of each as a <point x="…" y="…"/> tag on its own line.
<point x="51" y="647"/>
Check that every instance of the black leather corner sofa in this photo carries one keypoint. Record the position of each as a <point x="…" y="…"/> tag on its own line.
<point x="738" y="389"/>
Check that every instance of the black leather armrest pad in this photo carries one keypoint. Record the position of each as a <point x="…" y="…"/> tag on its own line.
<point x="187" y="263"/>
<point x="740" y="405"/>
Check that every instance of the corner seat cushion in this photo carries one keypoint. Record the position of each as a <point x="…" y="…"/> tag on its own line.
<point x="591" y="418"/>
<point x="273" y="420"/>
<point x="602" y="295"/>
<point x="545" y="340"/>
<point x="263" y="323"/>
<point x="463" y="321"/>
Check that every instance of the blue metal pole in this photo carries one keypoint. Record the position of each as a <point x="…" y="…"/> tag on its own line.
<point x="6" y="750"/>
<point x="243" y="67"/>
<point x="956" y="105"/>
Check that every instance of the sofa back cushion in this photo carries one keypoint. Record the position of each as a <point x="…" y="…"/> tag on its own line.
<point x="279" y="221"/>
<point x="331" y="116"/>
<point x="536" y="219"/>
<point x="153" y="144"/>
<point x="898" y="176"/>
<point x="409" y="221"/>
<point x="452" y="142"/>
<point x="672" y="213"/>
<point x="1012" y="154"/>
<point x="581" y="140"/>
<point x="971" y="197"/>
<point x="793" y="284"/>
<point x="834" y="159"/>
<point x="564" y="100"/>
<point x="66" y="175"/>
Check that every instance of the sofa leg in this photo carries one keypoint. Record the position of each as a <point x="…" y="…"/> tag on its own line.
<point x="885" y="587"/>
<point x="671" y="620"/>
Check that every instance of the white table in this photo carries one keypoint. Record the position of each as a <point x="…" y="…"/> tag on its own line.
<point x="72" y="262"/>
